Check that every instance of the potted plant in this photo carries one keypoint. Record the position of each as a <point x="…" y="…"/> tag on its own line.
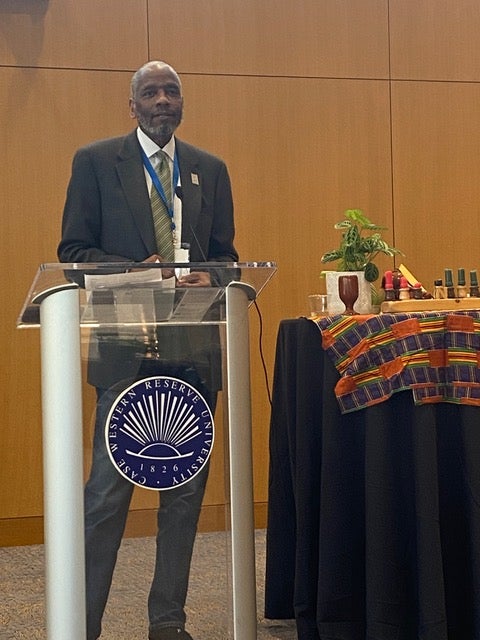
<point x="360" y="244"/>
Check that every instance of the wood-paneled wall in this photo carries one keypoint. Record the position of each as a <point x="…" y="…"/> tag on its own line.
<point x="316" y="106"/>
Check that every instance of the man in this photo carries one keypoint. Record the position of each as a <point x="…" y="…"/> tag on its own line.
<point x="109" y="217"/>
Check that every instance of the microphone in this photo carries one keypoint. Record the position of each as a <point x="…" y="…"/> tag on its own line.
<point x="213" y="277"/>
<point x="197" y="242"/>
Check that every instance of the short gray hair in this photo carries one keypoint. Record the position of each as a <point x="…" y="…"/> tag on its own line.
<point x="138" y="75"/>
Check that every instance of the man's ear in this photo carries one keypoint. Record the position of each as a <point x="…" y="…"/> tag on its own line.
<point x="131" y="106"/>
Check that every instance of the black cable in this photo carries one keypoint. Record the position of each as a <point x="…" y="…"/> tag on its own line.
<point x="260" y="347"/>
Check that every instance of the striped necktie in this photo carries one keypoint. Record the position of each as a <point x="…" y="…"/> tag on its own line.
<point x="161" y="220"/>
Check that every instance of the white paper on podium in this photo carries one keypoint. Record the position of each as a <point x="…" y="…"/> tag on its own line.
<point x="129" y="299"/>
<point x="128" y="279"/>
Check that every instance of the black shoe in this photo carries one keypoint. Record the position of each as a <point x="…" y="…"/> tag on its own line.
<point x="169" y="633"/>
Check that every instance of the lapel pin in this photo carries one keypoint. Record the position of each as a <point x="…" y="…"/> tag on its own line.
<point x="194" y="178"/>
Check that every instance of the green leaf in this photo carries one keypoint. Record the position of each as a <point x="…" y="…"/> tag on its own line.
<point x="372" y="243"/>
<point x="330" y="256"/>
<point x="351" y="237"/>
<point x="344" y="224"/>
<point x="357" y="215"/>
<point x="371" y="272"/>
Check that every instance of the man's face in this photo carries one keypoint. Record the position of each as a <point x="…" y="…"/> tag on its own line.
<point x="158" y="103"/>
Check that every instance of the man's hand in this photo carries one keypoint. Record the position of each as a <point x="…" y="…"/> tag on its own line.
<point x="154" y="258"/>
<point x="166" y="273"/>
<point x="195" y="279"/>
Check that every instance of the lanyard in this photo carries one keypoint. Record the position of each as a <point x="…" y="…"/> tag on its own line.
<point x="158" y="185"/>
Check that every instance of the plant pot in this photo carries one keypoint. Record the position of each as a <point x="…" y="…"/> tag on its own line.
<point x="363" y="303"/>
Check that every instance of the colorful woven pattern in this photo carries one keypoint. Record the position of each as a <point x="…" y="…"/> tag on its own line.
<point x="436" y="355"/>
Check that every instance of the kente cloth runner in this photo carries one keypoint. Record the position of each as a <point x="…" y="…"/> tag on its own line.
<point x="436" y="355"/>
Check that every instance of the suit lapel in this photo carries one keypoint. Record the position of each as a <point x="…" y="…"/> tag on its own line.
<point x="191" y="180"/>
<point x="132" y="179"/>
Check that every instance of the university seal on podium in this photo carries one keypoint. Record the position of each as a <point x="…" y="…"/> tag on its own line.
<point x="159" y="432"/>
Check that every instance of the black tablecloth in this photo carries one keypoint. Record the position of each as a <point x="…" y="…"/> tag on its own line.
<point x="374" y="516"/>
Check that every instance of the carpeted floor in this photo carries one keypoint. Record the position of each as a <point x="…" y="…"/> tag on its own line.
<point x="208" y="606"/>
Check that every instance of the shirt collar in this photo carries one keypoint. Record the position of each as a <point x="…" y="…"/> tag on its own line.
<point x="150" y="147"/>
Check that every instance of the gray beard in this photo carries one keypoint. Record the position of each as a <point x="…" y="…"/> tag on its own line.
<point x="161" y="131"/>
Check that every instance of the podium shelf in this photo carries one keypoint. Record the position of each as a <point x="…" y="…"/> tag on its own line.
<point x="128" y="294"/>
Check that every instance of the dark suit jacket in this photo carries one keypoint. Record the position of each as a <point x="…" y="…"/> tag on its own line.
<point x="107" y="214"/>
<point x="107" y="218"/>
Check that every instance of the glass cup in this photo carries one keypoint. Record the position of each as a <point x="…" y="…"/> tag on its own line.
<point x="317" y="303"/>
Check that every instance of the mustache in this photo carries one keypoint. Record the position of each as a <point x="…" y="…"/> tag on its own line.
<point x="164" y="112"/>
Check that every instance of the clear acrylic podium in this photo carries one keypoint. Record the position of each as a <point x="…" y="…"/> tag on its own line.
<point x="116" y="315"/>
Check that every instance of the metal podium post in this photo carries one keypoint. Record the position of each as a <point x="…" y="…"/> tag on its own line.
<point x="62" y="463"/>
<point x="240" y="455"/>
